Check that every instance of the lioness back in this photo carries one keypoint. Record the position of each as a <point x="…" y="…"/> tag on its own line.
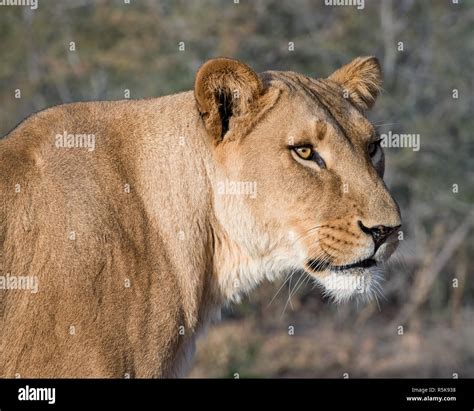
<point x="70" y="216"/>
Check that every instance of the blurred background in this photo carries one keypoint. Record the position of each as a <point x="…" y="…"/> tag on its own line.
<point x="423" y="326"/>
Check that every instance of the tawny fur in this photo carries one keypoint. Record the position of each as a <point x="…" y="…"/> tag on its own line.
<point x="156" y="249"/>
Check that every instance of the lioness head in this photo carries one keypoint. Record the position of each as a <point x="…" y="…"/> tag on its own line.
<point x="300" y="170"/>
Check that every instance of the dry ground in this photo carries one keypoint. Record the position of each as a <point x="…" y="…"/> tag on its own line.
<point x="329" y="347"/>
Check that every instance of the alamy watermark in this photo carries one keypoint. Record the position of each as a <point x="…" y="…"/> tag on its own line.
<point x="335" y="282"/>
<point x="28" y="393"/>
<point x="237" y="188"/>
<point x="359" y="4"/>
<point x="68" y="140"/>
<point x="394" y="140"/>
<point x="32" y="4"/>
<point x="22" y="282"/>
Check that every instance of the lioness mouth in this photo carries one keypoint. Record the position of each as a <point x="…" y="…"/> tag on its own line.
<point x="318" y="265"/>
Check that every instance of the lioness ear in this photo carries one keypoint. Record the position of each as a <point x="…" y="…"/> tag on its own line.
<point x="361" y="79"/>
<point x="225" y="90"/>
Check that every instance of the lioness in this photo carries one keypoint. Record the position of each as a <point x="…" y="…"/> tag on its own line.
<point x="183" y="203"/>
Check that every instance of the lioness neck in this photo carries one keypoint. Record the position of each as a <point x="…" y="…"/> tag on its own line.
<point x="179" y="179"/>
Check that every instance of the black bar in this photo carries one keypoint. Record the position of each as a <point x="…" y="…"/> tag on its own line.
<point x="380" y="394"/>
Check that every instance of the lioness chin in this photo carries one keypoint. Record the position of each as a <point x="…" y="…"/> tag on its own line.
<point x="183" y="203"/>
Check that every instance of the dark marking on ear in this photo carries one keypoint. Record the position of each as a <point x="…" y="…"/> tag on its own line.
<point x="224" y="88"/>
<point x="225" y="110"/>
<point x="231" y="98"/>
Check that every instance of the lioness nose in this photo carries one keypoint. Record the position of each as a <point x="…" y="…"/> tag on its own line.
<point x="379" y="233"/>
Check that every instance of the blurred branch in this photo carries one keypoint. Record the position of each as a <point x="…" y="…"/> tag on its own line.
<point x="433" y="265"/>
<point x="388" y="31"/>
<point x="457" y="292"/>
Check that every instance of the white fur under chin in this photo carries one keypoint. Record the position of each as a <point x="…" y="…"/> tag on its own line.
<point x="359" y="283"/>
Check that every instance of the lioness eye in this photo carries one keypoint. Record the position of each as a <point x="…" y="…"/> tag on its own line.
<point x="309" y="154"/>
<point x="304" y="152"/>
<point x="373" y="147"/>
